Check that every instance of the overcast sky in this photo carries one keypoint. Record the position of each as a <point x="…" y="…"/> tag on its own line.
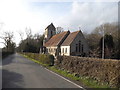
<point x="16" y="15"/>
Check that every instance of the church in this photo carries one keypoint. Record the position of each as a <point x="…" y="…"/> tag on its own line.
<point x="65" y="43"/>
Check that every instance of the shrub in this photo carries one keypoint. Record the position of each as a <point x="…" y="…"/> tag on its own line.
<point x="47" y="59"/>
<point x="43" y="58"/>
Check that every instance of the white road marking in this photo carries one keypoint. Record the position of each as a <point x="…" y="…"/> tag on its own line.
<point x="65" y="79"/>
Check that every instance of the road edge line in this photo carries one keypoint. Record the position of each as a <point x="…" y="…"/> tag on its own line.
<point x="65" y="79"/>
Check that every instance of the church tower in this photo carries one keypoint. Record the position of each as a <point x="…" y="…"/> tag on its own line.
<point x="49" y="32"/>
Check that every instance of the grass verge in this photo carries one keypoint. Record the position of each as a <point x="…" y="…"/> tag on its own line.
<point x="85" y="80"/>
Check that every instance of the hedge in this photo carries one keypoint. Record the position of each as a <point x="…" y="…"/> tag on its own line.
<point x="5" y="54"/>
<point x="102" y="70"/>
<point x="43" y="58"/>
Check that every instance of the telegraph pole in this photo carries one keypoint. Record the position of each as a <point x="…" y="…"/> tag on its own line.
<point x="103" y="44"/>
<point x="103" y="41"/>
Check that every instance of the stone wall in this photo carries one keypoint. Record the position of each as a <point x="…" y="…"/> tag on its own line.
<point x="102" y="70"/>
<point x="80" y="37"/>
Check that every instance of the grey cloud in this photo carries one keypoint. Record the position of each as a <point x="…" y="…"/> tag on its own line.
<point x="88" y="15"/>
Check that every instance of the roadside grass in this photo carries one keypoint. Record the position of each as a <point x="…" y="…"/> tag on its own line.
<point x="85" y="80"/>
<point x="90" y="83"/>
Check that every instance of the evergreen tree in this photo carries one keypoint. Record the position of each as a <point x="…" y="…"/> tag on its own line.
<point x="108" y="45"/>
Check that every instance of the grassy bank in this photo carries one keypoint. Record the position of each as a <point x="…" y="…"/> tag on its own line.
<point x="90" y="83"/>
<point x="86" y="81"/>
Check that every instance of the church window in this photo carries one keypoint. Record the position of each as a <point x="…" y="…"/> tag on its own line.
<point x="76" y="47"/>
<point x="51" y="33"/>
<point x="65" y="50"/>
<point x="82" y="48"/>
<point x="79" y="45"/>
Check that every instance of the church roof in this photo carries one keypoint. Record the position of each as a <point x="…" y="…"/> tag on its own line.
<point x="70" y="38"/>
<point x="56" y="39"/>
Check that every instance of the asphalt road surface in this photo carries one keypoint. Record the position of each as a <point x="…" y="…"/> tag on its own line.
<point x="19" y="72"/>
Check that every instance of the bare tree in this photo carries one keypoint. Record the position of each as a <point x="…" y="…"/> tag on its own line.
<point x="21" y="34"/>
<point x="8" y="41"/>
<point x="95" y="36"/>
<point x="28" y="32"/>
<point x="59" y="30"/>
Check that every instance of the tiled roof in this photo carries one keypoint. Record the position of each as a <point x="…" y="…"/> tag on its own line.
<point x="70" y="38"/>
<point x="56" y="39"/>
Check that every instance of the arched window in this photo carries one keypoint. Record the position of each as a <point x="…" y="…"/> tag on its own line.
<point x="63" y="50"/>
<point x="76" y="47"/>
<point x="79" y="45"/>
<point x="51" y="34"/>
<point x="82" y="48"/>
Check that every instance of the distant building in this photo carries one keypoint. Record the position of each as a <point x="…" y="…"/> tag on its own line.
<point x="64" y="43"/>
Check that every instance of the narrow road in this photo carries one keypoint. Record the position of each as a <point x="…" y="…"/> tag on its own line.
<point x="19" y="72"/>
